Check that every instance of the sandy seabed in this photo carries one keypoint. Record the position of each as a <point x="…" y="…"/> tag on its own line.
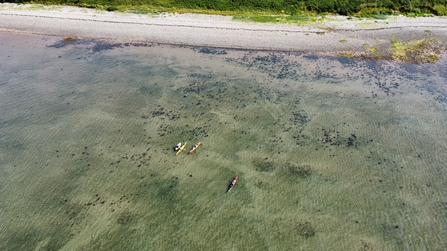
<point x="331" y="34"/>
<point x="331" y="153"/>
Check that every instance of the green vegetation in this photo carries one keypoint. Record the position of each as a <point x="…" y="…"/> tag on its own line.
<point x="300" y="19"/>
<point x="418" y="51"/>
<point x="421" y="51"/>
<point x="295" y="10"/>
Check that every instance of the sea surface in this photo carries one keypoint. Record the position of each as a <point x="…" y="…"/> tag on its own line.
<point x="331" y="153"/>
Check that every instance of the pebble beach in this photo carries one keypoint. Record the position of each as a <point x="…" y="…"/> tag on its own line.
<point x="328" y="34"/>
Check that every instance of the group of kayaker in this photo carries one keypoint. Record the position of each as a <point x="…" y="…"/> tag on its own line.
<point x="181" y="147"/>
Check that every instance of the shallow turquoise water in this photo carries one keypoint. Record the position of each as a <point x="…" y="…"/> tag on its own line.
<point x="331" y="153"/>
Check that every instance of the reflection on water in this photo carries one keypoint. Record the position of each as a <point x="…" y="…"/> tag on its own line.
<point x="331" y="153"/>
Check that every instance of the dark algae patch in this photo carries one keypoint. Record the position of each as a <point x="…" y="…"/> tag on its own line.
<point x="331" y="153"/>
<point x="300" y="171"/>
<point x="263" y="165"/>
<point x="305" y="229"/>
<point x="366" y="246"/>
<point x="212" y="51"/>
<point x="94" y="46"/>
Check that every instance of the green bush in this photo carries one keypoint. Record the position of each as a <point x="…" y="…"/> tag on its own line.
<point x="440" y="10"/>
<point x="112" y="8"/>
<point x="290" y="7"/>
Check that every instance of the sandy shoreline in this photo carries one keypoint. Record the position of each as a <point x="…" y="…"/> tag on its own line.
<point x="332" y="34"/>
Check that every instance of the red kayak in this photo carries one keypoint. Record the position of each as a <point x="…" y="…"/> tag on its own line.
<point x="233" y="182"/>
<point x="194" y="147"/>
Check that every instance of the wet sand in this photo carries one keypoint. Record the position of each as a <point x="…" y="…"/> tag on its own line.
<point x="331" y="34"/>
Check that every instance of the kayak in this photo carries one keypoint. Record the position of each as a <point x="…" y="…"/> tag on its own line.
<point x="233" y="182"/>
<point x="181" y="149"/>
<point x="194" y="147"/>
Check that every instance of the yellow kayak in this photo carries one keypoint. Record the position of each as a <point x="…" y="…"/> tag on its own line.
<point x="181" y="149"/>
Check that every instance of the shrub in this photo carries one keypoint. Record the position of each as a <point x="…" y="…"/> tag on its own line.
<point x="440" y="10"/>
<point x="112" y="8"/>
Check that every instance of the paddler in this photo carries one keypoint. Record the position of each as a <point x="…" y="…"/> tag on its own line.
<point x="178" y="146"/>
<point x="233" y="182"/>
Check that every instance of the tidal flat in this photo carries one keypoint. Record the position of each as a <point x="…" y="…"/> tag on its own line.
<point x="331" y="153"/>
